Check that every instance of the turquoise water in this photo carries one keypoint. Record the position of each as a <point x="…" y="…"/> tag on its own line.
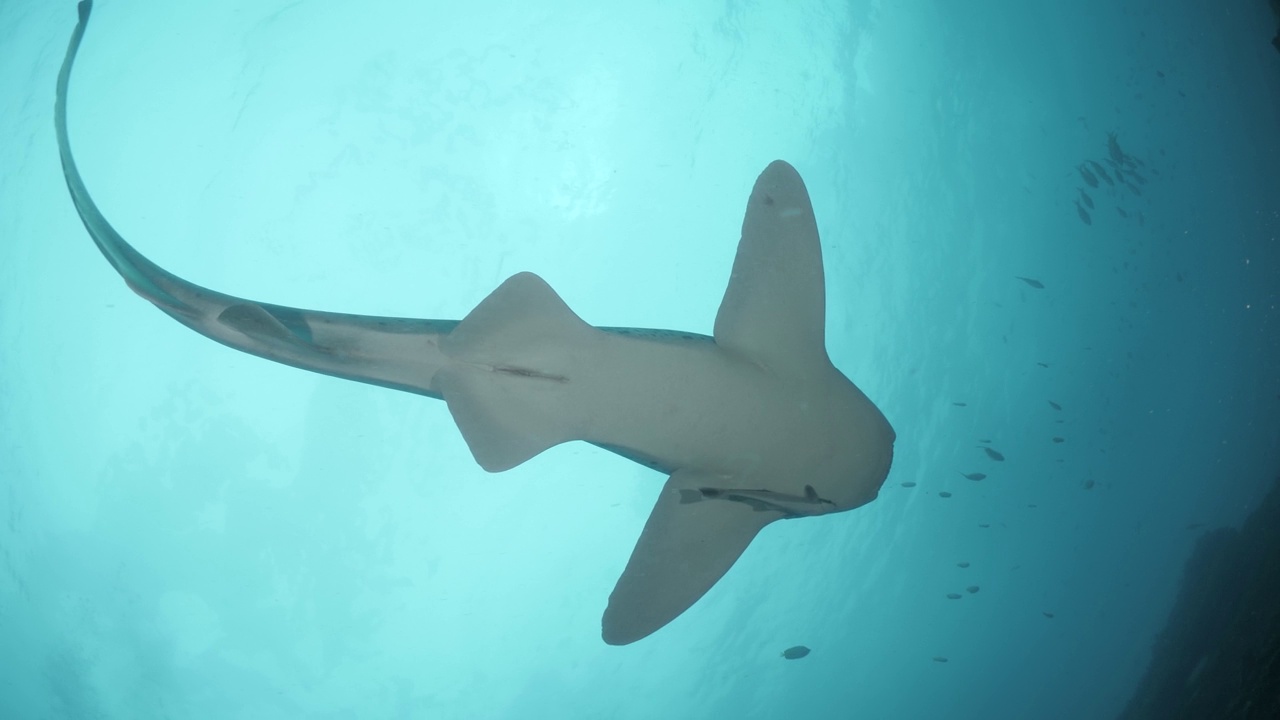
<point x="189" y="532"/>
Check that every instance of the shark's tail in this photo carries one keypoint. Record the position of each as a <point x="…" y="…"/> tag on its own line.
<point x="143" y="276"/>
<point x="398" y="353"/>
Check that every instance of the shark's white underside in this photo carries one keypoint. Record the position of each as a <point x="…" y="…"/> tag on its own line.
<point x="753" y="425"/>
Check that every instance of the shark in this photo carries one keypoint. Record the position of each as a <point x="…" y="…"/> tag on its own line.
<point x="750" y="425"/>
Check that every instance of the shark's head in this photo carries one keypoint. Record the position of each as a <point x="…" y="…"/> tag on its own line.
<point x="828" y="448"/>
<point x="863" y="448"/>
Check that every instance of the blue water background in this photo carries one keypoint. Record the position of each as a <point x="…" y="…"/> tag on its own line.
<point x="189" y="532"/>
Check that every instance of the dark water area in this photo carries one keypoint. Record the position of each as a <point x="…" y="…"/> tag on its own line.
<point x="1219" y="654"/>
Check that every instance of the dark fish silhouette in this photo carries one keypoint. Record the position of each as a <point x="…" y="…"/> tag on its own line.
<point x="1102" y="173"/>
<point x="953" y="596"/>
<point x="1084" y="214"/>
<point x="908" y="484"/>
<point x="1088" y="484"/>
<point x="1048" y="615"/>
<point x="994" y="455"/>
<point x="1043" y="365"/>
<point x="1058" y="439"/>
<point x="962" y="564"/>
<point x="795" y="653"/>
<point x="1054" y="405"/>
<point x="984" y="525"/>
<point x="1113" y="149"/>
<point x="972" y="589"/>
<point x="944" y="494"/>
<point x="1123" y="214"/>
<point x="939" y="659"/>
<point x="1088" y="201"/>
<point x="1134" y="189"/>
<point x="975" y="476"/>
<point x="1088" y="176"/>
<point x="1032" y="282"/>
<point x="959" y="404"/>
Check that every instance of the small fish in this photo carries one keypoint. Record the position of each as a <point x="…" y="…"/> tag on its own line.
<point x="984" y="525"/>
<point x="1043" y="365"/>
<point x="1047" y="614"/>
<point x="1088" y="484"/>
<point x="962" y="564"/>
<point x="1101" y="173"/>
<point x="1141" y="180"/>
<point x="984" y="440"/>
<point x="953" y="596"/>
<point x="939" y="659"/>
<point x="972" y="589"/>
<point x="1159" y="73"/>
<point x="1084" y="214"/>
<point x="1057" y="439"/>
<point x="908" y="484"/>
<point x="1123" y="214"/>
<point x="795" y="653"/>
<point x="944" y="494"/>
<point x="1054" y="405"/>
<point x="1088" y="201"/>
<point x="1032" y="282"/>
<point x="960" y="404"/>
<point x="1088" y="176"/>
<point x="975" y="476"/>
<point x="994" y="454"/>
<point x="1134" y="189"/>
<point x="1113" y="148"/>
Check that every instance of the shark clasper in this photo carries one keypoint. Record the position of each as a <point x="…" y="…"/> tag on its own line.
<point x="751" y="425"/>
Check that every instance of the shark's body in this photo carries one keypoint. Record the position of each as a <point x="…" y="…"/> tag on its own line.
<point x="753" y="425"/>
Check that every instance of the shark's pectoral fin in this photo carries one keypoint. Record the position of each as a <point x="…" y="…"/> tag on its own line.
<point x="689" y="542"/>
<point x="773" y="311"/>
<point x="509" y="380"/>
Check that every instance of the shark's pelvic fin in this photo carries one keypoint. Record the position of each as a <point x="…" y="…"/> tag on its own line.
<point x="512" y="360"/>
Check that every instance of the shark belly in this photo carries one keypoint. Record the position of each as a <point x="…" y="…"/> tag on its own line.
<point x="687" y="405"/>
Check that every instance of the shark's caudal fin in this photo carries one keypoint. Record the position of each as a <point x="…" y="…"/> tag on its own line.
<point x="398" y="353"/>
<point x="506" y="386"/>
